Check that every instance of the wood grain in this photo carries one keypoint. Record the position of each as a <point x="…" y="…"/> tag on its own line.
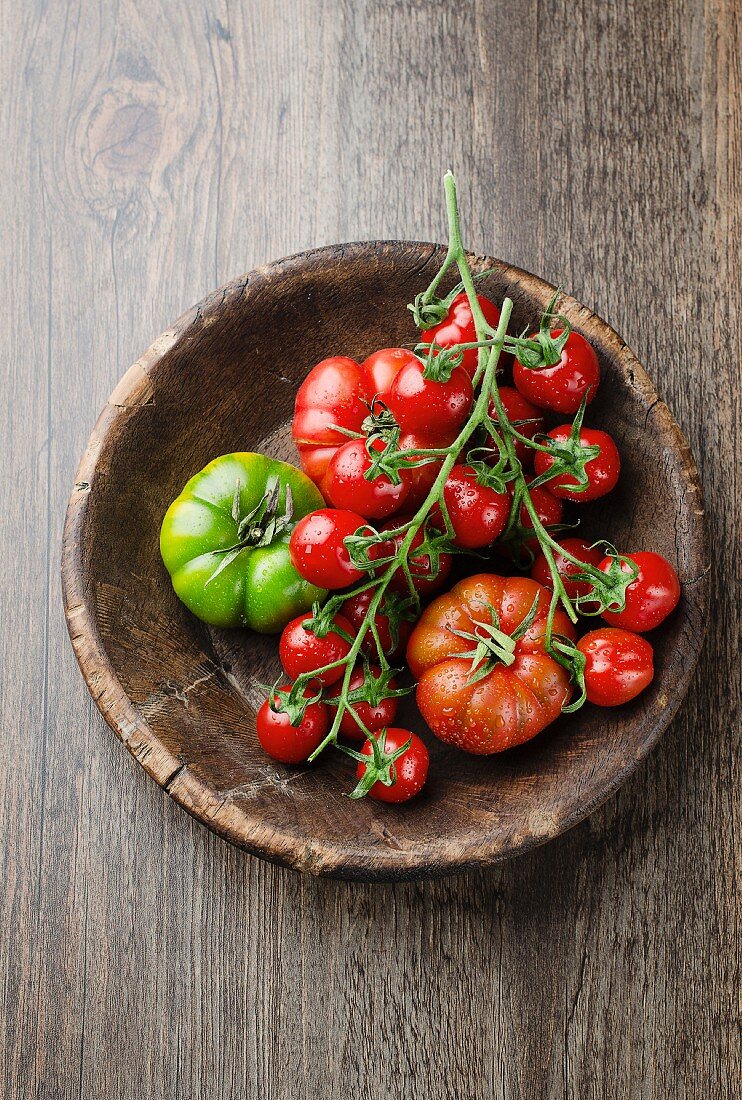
<point x="151" y="152"/>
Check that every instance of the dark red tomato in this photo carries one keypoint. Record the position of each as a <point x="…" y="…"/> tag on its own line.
<point x="410" y="769"/>
<point x="421" y="478"/>
<point x="478" y="514"/>
<point x="287" y="743"/>
<point x="301" y="650"/>
<point x="346" y="486"/>
<point x="563" y="386"/>
<point x="549" y="510"/>
<point x="382" y="368"/>
<point x="459" y="328"/>
<point x="421" y="404"/>
<point x="517" y="408"/>
<point x="419" y="563"/>
<point x="375" y="717"/>
<point x="651" y="597"/>
<point x="619" y="665"/>
<point x="355" y="610"/>
<point x="317" y="549"/>
<point x="565" y="568"/>
<point x="602" y="471"/>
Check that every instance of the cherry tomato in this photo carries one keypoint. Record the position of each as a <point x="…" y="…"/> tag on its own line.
<point x="317" y="549"/>
<point x="512" y="702"/>
<point x="517" y="409"/>
<point x="549" y="510"/>
<point x="355" y="610"/>
<point x="345" y="484"/>
<point x="651" y="597"/>
<point x="301" y="650"/>
<point x="602" y="471"/>
<point x="619" y="665"/>
<point x="420" y="478"/>
<point x="287" y="743"/>
<point x="563" y="386"/>
<point x="382" y="367"/>
<point x="411" y="768"/>
<point x="419" y="563"/>
<point x="421" y="404"/>
<point x="373" y="717"/>
<point x="459" y="328"/>
<point x="478" y="514"/>
<point x="566" y="569"/>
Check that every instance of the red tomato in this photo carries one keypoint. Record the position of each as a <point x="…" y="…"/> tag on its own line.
<point x="565" y="568"/>
<point x="619" y="665"/>
<point x="300" y="650"/>
<point x="421" y="478"/>
<point x="459" y="328"/>
<point x="563" y="386"/>
<point x="650" y="597"/>
<point x="287" y="743"/>
<point x="512" y="702"/>
<point x="478" y="514"/>
<point x="345" y="485"/>
<point x="383" y="366"/>
<point x="517" y="409"/>
<point x="410" y="769"/>
<point x="355" y="610"/>
<point x="549" y="510"/>
<point x="420" y="404"/>
<point x="317" y="549"/>
<point x="602" y="471"/>
<point x="419" y="563"/>
<point x="374" y="717"/>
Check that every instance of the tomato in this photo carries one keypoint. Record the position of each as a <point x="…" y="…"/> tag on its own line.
<point x="373" y="715"/>
<point x="420" y="478"/>
<point x="391" y="625"/>
<point x="459" y="328"/>
<point x="478" y="514"/>
<point x="565" y="568"/>
<point x="619" y="665"/>
<point x="301" y="650"/>
<point x="338" y="392"/>
<point x="421" y="404"/>
<point x="318" y="550"/>
<point x="409" y="770"/>
<point x="287" y="743"/>
<point x="650" y="597"/>
<point x="563" y="386"/>
<point x="518" y="409"/>
<point x="345" y="485"/>
<point x="225" y="542"/>
<point x="511" y="702"/>
<point x="420" y="567"/>
<point x="602" y="471"/>
<point x="549" y="509"/>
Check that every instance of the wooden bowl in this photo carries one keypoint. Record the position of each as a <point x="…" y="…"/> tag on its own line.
<point x="183" y="697"/>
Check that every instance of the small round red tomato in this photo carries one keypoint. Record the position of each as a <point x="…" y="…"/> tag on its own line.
<point x="518" y="409"/>
<point x="421" y="404"/>
<point x="393" y="638"/>
<point x="301" y="650"/>
<point x="382" y="367"/>
<point x="373" y="715"/>
<point x="317" y="548"/>
<point x="287" y="743"/>
<point x="478" y="514"/>
<point x="459" y="328"/>
<point x="650" y="597"/>
<point x="421" y="478"/>
<point x="420" y="568"/>
<point x="602" y="471"/>
<point x="563" y="386"/>
<point x="549" y="510"/>
<point x="409" y="770"/>
<point x="566" y="569"/>
<point x="346" y="486"/>
<point x="619" y="665"/>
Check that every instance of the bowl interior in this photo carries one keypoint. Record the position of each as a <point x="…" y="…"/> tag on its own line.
<point x="184" y="697"/>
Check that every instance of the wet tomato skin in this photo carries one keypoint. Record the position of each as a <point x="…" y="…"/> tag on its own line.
<point x="374" y="717"/>
<point x="346" y="486"/>
<point x="478" y="514"/>
<point x="411" y="767"/>
<point x="301" y="651"/>
<point x="619" y="665"/>
<point x="421" y="404"/>
<point x="459" y="328"/>
<point x="579" y="549"/>
<point x="317" y="547"/>
<point x="651" y="597"/>
<point x="291" y="744"/>
<point x="563" y="386"/>
<point x="602" y="471"/>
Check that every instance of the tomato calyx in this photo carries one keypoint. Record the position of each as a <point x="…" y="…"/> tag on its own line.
<point x="260" y="527"/>
<point x="544" y="349"/>
<point x="608" y="586"/>
<point x="492" y="645"/>
<point x="294" y="701"/>
<point x="569" y="457"/>
<point x="379" y="767"/>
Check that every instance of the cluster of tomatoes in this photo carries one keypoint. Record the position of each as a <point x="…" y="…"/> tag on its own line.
<point x="487" y="674"/>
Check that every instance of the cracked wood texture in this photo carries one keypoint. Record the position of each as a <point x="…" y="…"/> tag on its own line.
<point x="150" y="152"/>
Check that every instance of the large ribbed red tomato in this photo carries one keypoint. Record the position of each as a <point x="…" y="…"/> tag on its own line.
<point x="521" y="690"/>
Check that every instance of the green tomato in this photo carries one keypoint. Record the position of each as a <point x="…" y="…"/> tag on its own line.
<point x="225" y="542"/>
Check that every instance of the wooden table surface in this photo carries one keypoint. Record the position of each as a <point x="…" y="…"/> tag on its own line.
<point x="151" y="150"/>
